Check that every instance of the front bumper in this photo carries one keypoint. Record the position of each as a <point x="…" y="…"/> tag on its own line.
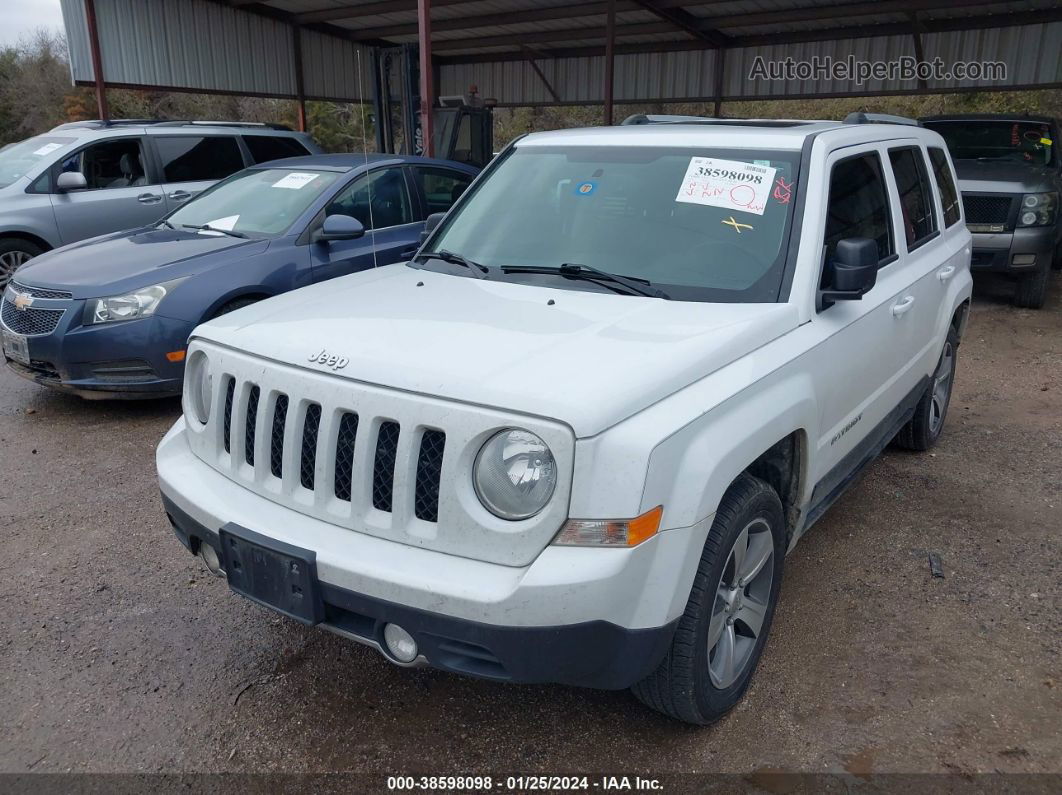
<point x="591" y="617"/>
<point x="1032" y="246"/>
<point x="125" y="360"/>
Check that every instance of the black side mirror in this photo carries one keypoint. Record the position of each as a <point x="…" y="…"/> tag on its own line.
<point x="339" y="227"/>
<point x="430" y="223"/>
<point x="70" y="181"/>
<point x="852" y="272"/>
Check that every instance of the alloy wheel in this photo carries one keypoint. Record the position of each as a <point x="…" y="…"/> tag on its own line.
<point x="741" y="602"/>
<point x="938" y="403"/>
<point x="9" y="263"/>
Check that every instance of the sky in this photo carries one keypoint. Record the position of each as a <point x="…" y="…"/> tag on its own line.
<point x="22" y="17"/>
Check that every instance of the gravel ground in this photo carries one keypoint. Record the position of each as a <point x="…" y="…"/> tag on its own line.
<point x="120" y="652"/>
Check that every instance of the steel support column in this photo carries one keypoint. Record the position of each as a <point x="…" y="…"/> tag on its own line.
<point x="720" y="64"/>
<point x="610" y="58"/>
<point x="97" y="60"/>
<point x="427" y="89"/>
<point x="300" y="92"/>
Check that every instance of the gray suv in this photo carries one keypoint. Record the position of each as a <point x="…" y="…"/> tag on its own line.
<point x="1010" y="176"/>
<point x="89" y="178"/>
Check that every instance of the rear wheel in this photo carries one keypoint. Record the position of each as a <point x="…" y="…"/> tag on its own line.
<point x="1031" y="290"/>
<point x="1056" y="262"/>
<point x="721" y="635"/>
<point x="924" y="428"/>
<point x="14" y="252"/>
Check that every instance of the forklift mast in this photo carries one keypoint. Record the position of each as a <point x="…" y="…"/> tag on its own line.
<point x="464" y="124"/>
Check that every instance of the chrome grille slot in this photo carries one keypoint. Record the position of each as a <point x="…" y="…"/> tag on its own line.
<point x="348" y="435"/>
<point x="276" y="438"/>
<point x="308" y="455"/>
<point x="252" y="418"/>
<point x="383" y="478"/>
<point x="429" y="473"/>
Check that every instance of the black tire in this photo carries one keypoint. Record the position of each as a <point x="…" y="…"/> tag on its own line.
<point x="683" y="686"/>
<point x="925" y="427"/>
<point x="232" y="306"/>
<point x="14" y="251"/>
<point x="1056" y="261"/>
<point x="1031" y="290"/>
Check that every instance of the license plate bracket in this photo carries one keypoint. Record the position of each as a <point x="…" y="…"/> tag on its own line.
<point x="15" y="347"/>
<point x="273" y="573"/>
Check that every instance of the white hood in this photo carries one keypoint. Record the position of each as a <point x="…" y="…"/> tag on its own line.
<point x="588" y="360"/>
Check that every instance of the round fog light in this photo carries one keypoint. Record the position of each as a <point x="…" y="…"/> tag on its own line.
<point x="400" y="643"/>
<point x="210" y="557"/>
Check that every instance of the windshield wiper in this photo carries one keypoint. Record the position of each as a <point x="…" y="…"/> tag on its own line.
<point x="479" y="269"/>
<point x="164" y="222"/>
<point x="587" y="273"/>
<point x="209" y="228"/>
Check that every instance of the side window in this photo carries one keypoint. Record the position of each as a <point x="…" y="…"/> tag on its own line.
<point x="859" y="204"/>
<point x="191" y="158"/>
<point x="118" y="163"/>
<point x="273" y="147"/>
<point x="441" y="187"/>
<point x="949" y="197"/>
<point x="378" y="199"/>
<point x="916" y="198"/>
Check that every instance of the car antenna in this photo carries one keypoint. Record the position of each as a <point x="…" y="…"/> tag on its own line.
<point x="365" y="151"/>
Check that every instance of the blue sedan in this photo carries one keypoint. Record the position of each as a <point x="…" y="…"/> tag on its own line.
<point x="109" y="317"/>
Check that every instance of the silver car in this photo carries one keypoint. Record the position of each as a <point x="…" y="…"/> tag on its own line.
<point x="89" y="178"/>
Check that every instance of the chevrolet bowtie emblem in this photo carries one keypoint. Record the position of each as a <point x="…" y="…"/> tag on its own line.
<point x="23" y="302"/>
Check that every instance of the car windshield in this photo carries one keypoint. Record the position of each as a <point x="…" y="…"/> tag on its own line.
<point x="698" y="224"/>
<point x="1021" y="141"/>
<point x="17" y="159"/>
<point x="255" y="202"/>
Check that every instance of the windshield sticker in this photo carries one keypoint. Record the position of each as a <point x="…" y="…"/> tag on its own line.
<point x="1045" y="141"/>
<point x="47" y="149"/>
<point x="227" y="223"/>
<point x="295" y="180"/>
<point x="782" y="191"/>
<point x="585" y="188"/>
<point x="737" y="225"/>
<point x="730" y="184"/>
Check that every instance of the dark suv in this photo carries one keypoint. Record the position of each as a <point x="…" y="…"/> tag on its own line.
<point x="1010" y="175"/>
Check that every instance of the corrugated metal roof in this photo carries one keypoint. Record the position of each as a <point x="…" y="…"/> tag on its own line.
<point x="212" y="45"/>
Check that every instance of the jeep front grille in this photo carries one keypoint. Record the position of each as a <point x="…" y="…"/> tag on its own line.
<point x="32" y="321"/>
<point x="303" y="447"/>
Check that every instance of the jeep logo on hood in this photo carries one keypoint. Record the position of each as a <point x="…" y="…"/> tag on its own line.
<point x="329" y="359"/>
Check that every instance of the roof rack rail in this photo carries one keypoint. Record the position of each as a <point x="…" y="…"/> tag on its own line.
<point x="725" y="121"/>
<point x="70" y="125"/>
<point x="264" y="125"/>
<point x="859" y="117"/>
<point x="642" y="118"/>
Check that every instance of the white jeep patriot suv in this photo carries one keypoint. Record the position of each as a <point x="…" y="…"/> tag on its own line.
<point x="573" y="440"/>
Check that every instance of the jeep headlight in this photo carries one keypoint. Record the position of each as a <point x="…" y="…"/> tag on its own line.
<point x="1038" y="209"/>
<point x="139" y="303"/>
<point x="198" y="386"/>
<point x="515" y="474"/>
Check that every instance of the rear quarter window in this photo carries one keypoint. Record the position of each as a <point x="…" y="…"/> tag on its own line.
<point x="191" y="158"/>
<point x="274" y="147"/>
<point x="916" y="196"/>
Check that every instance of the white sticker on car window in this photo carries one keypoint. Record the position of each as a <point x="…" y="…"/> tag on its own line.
<point x="47" y="149"/>
<point x="227" y="223"/>
<point x="730" y="184"/>
<point x="296" y="180"/>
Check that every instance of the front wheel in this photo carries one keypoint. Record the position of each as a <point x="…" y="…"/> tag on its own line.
<point x="722" y="633"/>
<point x="14" y="252"/>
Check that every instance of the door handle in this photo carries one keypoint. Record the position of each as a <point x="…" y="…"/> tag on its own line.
<point x="903" y="305"/>
<point x="149" y="198"/>
<point x="180" y="195"/>
<point x="946" y="272"/>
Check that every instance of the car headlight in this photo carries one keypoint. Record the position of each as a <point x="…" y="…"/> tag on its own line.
<point x="515" y="474"/>
<point x="198" y="386"/>
<point x="139" y="303"/>
<point x="1038" y="209"/>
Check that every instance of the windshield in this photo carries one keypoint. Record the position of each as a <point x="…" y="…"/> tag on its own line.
<point x="1021" y="141"/>
<point x="699" y="224"/>
<point x="17" y="159"/>
<point x="256" y="202"/>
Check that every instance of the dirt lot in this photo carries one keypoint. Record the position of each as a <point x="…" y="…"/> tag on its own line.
<point x="119" y="652"/>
